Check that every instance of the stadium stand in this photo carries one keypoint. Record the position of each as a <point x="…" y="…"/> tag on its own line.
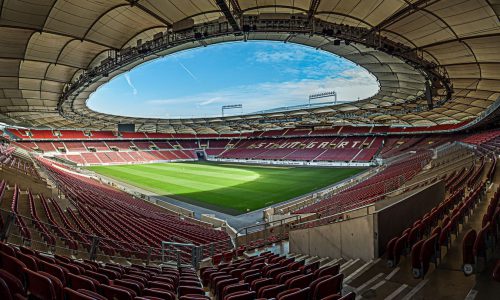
<point x="421" y="220"/>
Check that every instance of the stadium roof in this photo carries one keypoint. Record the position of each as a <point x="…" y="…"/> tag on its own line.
<point x="48" y="44"/>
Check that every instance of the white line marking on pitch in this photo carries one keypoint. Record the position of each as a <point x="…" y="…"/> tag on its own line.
<point x="396" y="292"/>
<point x="415" y="290"/>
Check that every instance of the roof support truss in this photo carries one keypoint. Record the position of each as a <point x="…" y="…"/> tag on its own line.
<point x="228" y="14"/>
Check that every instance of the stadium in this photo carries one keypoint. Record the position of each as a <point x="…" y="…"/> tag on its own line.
<point x="389" y="195"/>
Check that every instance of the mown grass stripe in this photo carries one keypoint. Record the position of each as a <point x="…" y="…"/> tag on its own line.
<point x="228" y="187"/>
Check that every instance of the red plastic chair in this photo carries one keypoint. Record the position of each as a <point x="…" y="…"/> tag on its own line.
<point x="70" y="294"/>
<point x="298" y="295"/>
<point x="4" y="290"/>
<point x="40" y="286"/>
<point x="14" y="284"/>
<point x="116" y="292"/>
<point x="329" y="286"/>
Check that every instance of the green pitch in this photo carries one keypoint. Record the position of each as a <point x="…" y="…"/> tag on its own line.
<point x="229" y="188"/>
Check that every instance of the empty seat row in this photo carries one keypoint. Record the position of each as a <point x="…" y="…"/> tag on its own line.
<point x="27" y="273"/>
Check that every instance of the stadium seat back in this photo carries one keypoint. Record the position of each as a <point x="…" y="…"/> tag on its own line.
<point x="40" y="286"/>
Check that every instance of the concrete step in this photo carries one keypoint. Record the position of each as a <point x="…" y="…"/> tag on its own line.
<point x="351" y="267"/>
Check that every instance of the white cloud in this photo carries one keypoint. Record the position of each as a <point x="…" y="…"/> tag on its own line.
<point x="351" y="85"/>
<point x="210" y="101"/>
<point x="129" y="82"/>
<point x="279" y="56"/>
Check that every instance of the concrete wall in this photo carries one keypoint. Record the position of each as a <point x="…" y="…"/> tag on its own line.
<point x="395" y="217"/>
<point x="349" y="239"/>
<point x="364" y="233"/>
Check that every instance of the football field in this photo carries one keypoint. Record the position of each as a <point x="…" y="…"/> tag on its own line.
<point x="228" y="188"/>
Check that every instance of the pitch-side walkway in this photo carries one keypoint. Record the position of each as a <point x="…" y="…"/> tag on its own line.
<point x="236" y="222"/>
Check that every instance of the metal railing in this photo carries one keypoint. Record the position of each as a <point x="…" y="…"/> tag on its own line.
<point x="62" y="240"/>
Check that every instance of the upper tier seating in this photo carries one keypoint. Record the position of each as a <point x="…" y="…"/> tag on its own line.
<point x="102" y="135"/>
<point x="42" y="134"/>
<point x="361" y="149"/>
<point x="72" y="134"/>
<point x="483" y="137"/>
<point x="75" y="147"/>
<point x="98" y="146"/>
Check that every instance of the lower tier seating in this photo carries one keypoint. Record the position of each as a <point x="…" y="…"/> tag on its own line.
<point x="28" y="274"/>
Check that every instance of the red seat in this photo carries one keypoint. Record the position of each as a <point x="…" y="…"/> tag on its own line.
<point x="286" y="292"/>
<point x="117" y="292"/>
<point x="298" y="295"/>
<point x="468" y="260"/>
<point x="300" y="282"/>
<point x="243" y="295"/>
<point x="162" y="294"/>
<point x="271" y="291"/>
<point x="330" y="270"/>
<point x="216" y="259"/>
<point x="389" y="250"/>
<point x="237" y="272"/>
<point x="40" y="286"/>
<point x="111" y="274"/>
<point x="4" y="290"/>
<point x="12" y="265"/>
<point x="103" y="279"/>
<point x="415" y="258"/>
<point x="162" y="285"/>
<point x="185" y="290"/>
<point x="273" y="273"/>
<point x="400" y="248"/>
<point x="28" y="260"/>
<point x="7" y="249"/>
<point x="138" y="278"/>
<point x="54" y="270"/>
<point x="134" y="286"/>
<point x="58" y="286"/>
<point x="14" y="284"/>
<point x="496" y="271"/>
<point x="429" y="253"/>
<point x="283" y="277"/>
<point x="77" y="282"/>
<point x="315" y="282"/>
<point x="481" y="244"/>
<point x="194" y="297"/>
<point x="70" y="294"/>
<point x="329" y="286"/>
<point x="93" y="295"/>
<point x="310" y="268"/>
<point x="237" y="287"/>
<point x="222" y="284"/>
<point x="258" y="283"/>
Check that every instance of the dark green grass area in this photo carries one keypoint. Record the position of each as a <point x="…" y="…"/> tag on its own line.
<point x="229" y="188"/>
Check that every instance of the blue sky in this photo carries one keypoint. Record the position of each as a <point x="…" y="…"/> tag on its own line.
<point x="258" y="75"/>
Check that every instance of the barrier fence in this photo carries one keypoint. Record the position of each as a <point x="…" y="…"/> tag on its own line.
<point x="26" y="231"/>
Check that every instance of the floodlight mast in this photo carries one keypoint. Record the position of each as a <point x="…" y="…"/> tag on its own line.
<point x="226" y="107"/>
<point x="323" y="95"/>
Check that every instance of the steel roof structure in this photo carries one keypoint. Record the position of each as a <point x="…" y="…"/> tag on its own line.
<point x="55" y="53"/>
